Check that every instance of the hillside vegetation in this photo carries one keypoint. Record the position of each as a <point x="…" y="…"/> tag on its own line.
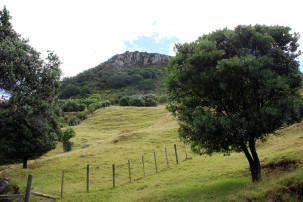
<point x="127" y="133"/>
<point x="129" y="73"/>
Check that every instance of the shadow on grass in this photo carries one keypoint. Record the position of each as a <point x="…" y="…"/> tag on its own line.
<point x="218" y="190"/>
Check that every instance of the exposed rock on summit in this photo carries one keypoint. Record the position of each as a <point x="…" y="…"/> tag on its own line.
<point x="133" y="59"/>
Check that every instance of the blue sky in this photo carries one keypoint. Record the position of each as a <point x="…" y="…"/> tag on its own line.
<point x="152" y="44"/>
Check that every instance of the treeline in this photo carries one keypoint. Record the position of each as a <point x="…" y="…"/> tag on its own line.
<point x="149" y="100"/>
<point x="108" y="77"/>
<point x="77" y="110"/>
<point x="80" y="109"/>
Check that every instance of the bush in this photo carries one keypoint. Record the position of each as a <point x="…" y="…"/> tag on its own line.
<point x="82" y="116"/>
<point x="137" y="101"/>
<point x="93" y="107"/>
<point x="81" y="107"/>
<point x="74" y="121"/>
<point x="124" y="101"/>
<point x="72" y="106"/>
<point x="89" y="101"/>
<point x="67" y="134"/>
<point x="64" y="120"/>
<point x="95" y="96"/>
<point x="151" y="100"/>
<point x="105" y="103"/>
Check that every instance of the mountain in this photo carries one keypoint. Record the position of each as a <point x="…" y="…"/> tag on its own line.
<point x="123" y="74"/>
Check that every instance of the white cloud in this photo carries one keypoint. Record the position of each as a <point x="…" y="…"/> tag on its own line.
<point x="171" y="49"/>
<point x="86" y="33"/>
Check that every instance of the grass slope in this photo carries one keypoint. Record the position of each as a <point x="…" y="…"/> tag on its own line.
<point x="127" y="133"/>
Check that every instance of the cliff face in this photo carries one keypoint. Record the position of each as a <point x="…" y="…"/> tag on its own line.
<point x="133" y="59"/>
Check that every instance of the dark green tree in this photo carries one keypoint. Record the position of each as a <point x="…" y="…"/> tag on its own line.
<point x="147" y="85"/>
<point x="233" y="87"/>
<point x="69" y="91"/>
<point x="151" y="100"/>
<point x="135" y="79"/>
<point x="72" y="106"/>
<point x="119" y="80"/>
<point x="29" y="121"/>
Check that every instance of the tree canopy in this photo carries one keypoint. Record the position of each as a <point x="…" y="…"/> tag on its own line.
<point x="29" y="120"/>
<point x="230" y="88"/>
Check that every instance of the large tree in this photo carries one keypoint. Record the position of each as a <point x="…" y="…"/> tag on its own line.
<point x="230" y="88"/>
<point x="29" y="120"/>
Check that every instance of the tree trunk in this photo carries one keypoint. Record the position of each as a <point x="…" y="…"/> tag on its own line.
<point x="253" y="160"/>
<point x="25" y="164"/>
<point x="255" y="169"/>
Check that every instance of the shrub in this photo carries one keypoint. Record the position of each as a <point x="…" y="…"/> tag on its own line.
<point x="137" y="101"/>
<point x="105" y="103"/>
<point x="93" y="107"/>
<point x="89" y="101"/>
<point x="64" y="120"/>
<point x="67" y="134"/>
<point x="95" y="96"/>
<point x="81" y="107"/>
<point x="151" y="100"/>
<point x="72" y="106"/>
<point x="124" y="101"/>
<point x="74" y="121"/>
<point x="82" y="116"/>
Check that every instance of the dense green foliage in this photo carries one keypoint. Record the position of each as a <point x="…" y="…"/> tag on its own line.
<point x="69" y="91"/>
<point x="29" y="121"/>
<point x="233" y="87"/>
<point x="148" y="100"/>
<point x="73" y="121"/>
<point x="146" y="85"/>
<point x="113" y="83"/>
<point x="72" y="106"/>
<point x="67" y="134"/>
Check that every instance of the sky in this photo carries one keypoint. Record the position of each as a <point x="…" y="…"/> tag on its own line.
<point x="86" y="33"/>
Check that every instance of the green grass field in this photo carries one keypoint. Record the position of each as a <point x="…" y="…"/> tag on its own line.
<point x="127" y="133"/>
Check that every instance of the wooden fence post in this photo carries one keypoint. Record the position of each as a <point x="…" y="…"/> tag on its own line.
<point x="185" y="151"/>
<point x="130" y="175"/>
<point x="114" y="176"/>
<point x="143" y="165"/>
<point x="166" y="157"/>
<point x="28" y="188"/>
<point x="155" y="161"/>
<point x="87" y="179"/>
<point x="62" y="183"/>
<point x="176" y="153"/>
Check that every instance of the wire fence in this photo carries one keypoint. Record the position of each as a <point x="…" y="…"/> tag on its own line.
<point x="122" y="173"/>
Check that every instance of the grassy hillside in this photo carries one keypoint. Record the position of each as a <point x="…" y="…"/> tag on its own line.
<point x="127" y="133"/>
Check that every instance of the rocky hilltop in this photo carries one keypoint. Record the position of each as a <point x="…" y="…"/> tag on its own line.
<point x="137" y="59"/>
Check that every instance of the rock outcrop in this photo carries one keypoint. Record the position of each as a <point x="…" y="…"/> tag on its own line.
<point x="133" y="59"/>
<point x="4" y="182"/>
